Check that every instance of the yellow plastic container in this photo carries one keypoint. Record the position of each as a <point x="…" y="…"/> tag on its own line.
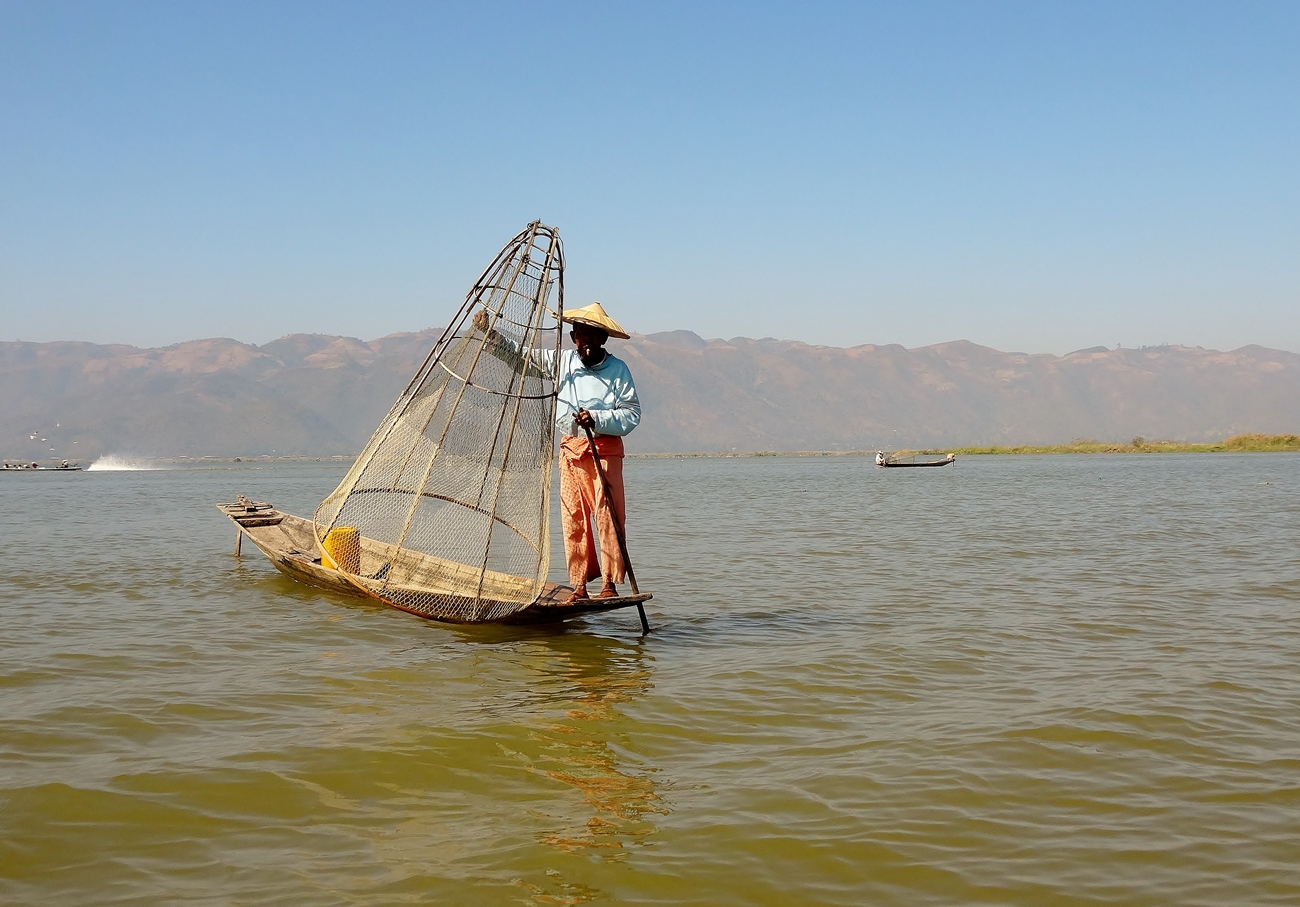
<point x="342" y="549"/>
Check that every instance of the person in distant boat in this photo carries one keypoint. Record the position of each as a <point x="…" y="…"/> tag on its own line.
<point x="595" y="391"/>
<point x="880" y="458"/>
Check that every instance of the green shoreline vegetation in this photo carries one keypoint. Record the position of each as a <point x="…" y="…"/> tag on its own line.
<point x="1249" y="443"/>
<point x="1246" y="443"/>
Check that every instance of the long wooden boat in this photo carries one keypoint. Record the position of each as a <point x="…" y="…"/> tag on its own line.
<point x="289" y="543"/>
<point x="894" y="461"/>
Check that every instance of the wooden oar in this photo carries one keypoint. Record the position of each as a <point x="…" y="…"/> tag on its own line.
<point x="618" y="530"/>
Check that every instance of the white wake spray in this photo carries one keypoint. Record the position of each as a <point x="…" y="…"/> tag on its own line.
<point x="113" y="463"/>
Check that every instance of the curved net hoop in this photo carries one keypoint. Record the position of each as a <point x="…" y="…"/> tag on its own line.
<point x="445" y="512"/>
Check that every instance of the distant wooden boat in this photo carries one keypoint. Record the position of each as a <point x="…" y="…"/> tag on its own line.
<point x="445" y="513"/>
<point x="906" y="460"/>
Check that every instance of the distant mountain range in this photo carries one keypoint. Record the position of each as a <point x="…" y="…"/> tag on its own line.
<point x="316" y="395"/>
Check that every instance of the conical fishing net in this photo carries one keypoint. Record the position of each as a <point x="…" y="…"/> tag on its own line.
<point x="445" y="512"/>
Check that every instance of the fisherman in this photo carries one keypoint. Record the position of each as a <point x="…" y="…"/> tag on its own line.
<point x="595" y="391"/>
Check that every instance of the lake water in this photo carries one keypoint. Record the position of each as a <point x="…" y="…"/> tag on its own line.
<point x="1016" y="680"/>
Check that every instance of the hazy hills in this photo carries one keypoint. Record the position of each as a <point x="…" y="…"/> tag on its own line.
<point x="320" y="395"/>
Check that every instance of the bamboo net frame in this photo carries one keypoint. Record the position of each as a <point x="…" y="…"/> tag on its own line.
<point x="449" y="501"/>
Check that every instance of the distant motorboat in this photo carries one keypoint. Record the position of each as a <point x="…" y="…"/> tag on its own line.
<point x="903" y="459"/>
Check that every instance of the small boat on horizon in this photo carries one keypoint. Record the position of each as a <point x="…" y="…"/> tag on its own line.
<point x="902" y="459"/>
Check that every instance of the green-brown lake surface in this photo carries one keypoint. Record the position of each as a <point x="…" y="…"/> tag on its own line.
<point x="1015" y="680"/>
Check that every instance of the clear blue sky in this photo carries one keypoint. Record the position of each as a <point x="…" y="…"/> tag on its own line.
<point x="1033" y="176"/>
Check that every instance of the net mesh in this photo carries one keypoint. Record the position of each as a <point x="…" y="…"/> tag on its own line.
<point x="445" y="512"/>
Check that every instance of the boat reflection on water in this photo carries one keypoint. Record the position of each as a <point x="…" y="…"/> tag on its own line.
<point x="522" y="773"/>
<point x="586" y="682"/>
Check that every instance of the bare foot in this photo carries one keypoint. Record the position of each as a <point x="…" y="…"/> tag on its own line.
<point x="608" y="591"/>
<point x="578" y="595"/>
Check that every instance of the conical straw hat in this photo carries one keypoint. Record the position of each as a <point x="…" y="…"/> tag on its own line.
<point x="595" y="316"/>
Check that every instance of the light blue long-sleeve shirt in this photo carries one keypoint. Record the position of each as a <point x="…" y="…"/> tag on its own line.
<point x="606" y="390"/>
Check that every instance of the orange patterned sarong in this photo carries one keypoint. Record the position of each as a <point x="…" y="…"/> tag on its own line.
<point x="582" y="498"/>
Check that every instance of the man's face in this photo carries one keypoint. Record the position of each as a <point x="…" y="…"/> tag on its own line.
<point x="588" y="341"/>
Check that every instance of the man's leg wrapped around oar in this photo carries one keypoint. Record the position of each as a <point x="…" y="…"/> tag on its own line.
<point x="581" y="498"/>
